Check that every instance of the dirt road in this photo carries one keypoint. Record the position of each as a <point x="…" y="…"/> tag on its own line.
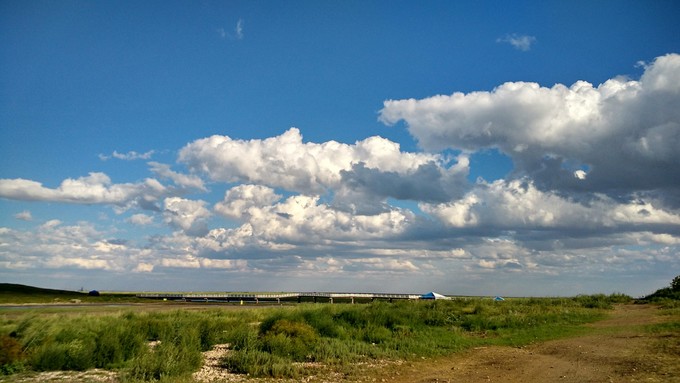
<point x="618" y="350"/>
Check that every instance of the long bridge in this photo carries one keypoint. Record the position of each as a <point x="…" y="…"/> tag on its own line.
<point x="278" y="297"/>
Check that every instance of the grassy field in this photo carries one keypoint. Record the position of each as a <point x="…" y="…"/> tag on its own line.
<point x="290" y="342"/>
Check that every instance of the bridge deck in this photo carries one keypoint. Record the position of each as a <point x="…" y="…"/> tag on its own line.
<point x="233" y="297"/>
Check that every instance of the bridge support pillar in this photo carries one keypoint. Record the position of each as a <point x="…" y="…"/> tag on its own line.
<point x="352" y="300"/>
<point x="257" y="301"/>
<point x="331" y="300"/>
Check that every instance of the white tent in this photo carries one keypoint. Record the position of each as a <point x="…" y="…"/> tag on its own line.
<point x="433" y="295"/>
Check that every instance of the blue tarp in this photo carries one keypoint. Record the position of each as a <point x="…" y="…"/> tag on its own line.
<point x="433" y="295"/>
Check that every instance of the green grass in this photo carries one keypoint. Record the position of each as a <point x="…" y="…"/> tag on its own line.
<point x="272" y="342"/>
<point x="340" y="335"/>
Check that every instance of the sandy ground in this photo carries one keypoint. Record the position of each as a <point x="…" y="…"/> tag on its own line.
<point x="619" y="349"/>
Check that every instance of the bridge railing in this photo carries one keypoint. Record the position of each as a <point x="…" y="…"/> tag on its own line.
<point x="251" y="296"/>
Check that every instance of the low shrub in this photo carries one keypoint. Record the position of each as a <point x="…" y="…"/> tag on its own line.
<point x="294" y="340"/>
<point x="322" y="321"/>
<point x="597" y="301"/>
<point x="11" y="355"/>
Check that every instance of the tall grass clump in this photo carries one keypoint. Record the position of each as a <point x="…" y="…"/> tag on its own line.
<point x="144" y="346"/>
<point x="178" y="338"/>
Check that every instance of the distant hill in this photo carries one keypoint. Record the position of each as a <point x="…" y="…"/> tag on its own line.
<point x="16" y="293"/>
<point x="12" y="293"/>
<point x="13" y="288"/>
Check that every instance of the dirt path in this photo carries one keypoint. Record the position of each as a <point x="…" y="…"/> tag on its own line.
<point x="618" y="350"/>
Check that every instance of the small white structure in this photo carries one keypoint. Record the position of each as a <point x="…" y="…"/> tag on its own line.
<point x="433" y="295"/>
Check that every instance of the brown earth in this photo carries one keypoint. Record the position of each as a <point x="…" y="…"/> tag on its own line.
<point x="618" y="349"/>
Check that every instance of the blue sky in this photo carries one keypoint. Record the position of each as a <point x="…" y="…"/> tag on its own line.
<point x="475" y="147"/>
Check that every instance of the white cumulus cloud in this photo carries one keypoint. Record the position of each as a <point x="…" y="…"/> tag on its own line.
<point x="180" y="179"/>
<point x="188" y="215"/>
<point x="240" y="199"/>
<point x="625" y="132"/>
<point x="518" y="204"/>
<point x="140" y="219"/>
<point x="287" y="162"/>
<point x="96" y="188"/>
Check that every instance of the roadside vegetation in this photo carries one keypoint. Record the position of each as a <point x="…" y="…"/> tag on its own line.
<point x="668" y="295"/>
<point x="288" y="341"/>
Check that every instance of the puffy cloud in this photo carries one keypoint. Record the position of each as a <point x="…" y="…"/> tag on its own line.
<point x="180" y="179"/>
<point x="188" y="215"/>
<point x="286" y="162"/>
<point x="519" y="42"/>
<point x="96" y="188"/>
<point x="360" y="177"/>
<point x="209" y="263"/>
<point x="428" y="182"/>
<point x="551" y="133"/>
<point x="55" y="245"/>
<point x="401" y="265"/>
<point x="354" y="266"/>
<point x="187" y="262"/>
<point x="60" y="261"/>
<point x="140" y="219"/>
<point x="143" y="268"/>
<point x="283" y="224"/>
<point x="223" y="240"/>
<point x="421" y="253"/>
<point x="303" y="218"/>
<point x="519" y="205"/>
<point x="24" y="216"/>
<point x="240" y="199"/>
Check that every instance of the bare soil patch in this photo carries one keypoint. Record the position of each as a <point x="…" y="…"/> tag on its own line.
<point x="619" y="349"/>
